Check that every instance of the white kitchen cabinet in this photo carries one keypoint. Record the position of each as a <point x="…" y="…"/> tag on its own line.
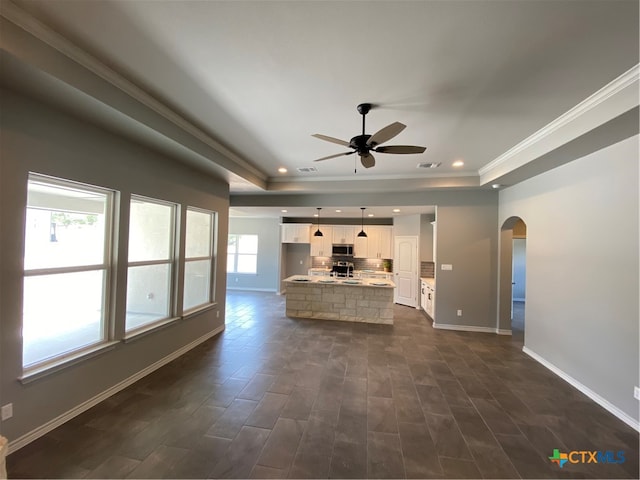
<point x="428" y="297"/>
<point x="423" y="295"/>
<point x="321" y="246"/>
<point x="431" y="301"/>
<point x="385" y="242"/>
<point x="377" y="243"/>
<point x="343" y="234"/>
<point x="295" y="232"/>
<point x="361" y="247"/>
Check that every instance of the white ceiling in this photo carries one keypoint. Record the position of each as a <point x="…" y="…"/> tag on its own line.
<point x="470" y="79"/>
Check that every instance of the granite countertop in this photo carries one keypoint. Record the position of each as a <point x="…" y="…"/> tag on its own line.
<point x="351" y="282"/>
<point x="429" y="281"/>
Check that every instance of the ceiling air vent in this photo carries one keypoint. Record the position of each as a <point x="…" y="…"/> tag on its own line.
<point x="307" y="169"/>
<point x="429" y="165"/>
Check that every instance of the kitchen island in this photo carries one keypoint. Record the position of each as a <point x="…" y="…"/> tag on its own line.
<point x="366" y="300"/>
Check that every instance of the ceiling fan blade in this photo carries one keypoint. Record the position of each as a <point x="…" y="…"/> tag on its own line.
<point x="331" y="139"/>
<point x="334" y="156"/>
<point x="367" y="160"/>
<point x="387" y="133"/>
<point x="401" y="149"/>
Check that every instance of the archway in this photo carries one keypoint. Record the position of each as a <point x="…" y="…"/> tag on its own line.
<point x="511" y="304"/>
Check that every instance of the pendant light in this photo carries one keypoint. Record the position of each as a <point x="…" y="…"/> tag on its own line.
<point x="362" y="232"/>
<point x="318" y="232"/>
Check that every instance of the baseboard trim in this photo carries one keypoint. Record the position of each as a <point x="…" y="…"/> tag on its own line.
<point x="584" y="389"/>
<point x="84" y="406"/>
<point x="470" y="328"/>
<point x="504" y="331"/>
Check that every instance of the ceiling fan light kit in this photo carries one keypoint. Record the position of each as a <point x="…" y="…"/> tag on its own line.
<point x="364" y="144"/>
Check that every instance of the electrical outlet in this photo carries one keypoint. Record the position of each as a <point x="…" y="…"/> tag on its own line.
<point x="218" y="314"/>
<point x="446" y="266"/>
<point x="7" y="411"/>
<point x="636" y="392"/>
<point x="459" y="313"/>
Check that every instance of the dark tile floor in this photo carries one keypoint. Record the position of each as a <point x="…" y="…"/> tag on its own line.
<point x="274" y="397"/>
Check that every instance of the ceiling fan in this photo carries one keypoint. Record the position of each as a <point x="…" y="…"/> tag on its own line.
<point x="364" y="144"/>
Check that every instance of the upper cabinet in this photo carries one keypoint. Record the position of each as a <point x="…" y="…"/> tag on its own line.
<point x="295" y="232"/>
<point x="377" y="244"/>
<point x="321" y="246"/>
<point x="344" y="234"/>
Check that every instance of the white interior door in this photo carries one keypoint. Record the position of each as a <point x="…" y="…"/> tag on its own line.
<point x="405" y="266"/>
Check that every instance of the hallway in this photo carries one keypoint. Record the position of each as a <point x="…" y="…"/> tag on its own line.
<point x="273" y="397"/>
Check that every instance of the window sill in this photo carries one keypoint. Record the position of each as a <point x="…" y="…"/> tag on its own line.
<point x="198" y="310"/>
<point x="38" y="372"/>
<point x="147" y="329"/>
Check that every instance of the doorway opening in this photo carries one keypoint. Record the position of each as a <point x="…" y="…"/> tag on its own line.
<point x="513" y="264"/>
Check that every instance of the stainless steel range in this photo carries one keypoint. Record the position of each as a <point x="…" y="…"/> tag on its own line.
<point x="342" y="269"/>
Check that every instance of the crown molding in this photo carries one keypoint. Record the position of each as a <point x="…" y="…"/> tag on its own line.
<point x="601" y="97"/>
<point x="14" y="14"/>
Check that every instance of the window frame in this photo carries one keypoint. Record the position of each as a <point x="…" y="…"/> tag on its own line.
<point x="110" y="231"/>
<point x="236" y="253"/>
<point x="173" y="263"/>
<point x="212" y="256"/>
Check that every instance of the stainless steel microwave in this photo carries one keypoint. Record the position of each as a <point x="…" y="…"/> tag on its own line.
<point x="342" y="250"/>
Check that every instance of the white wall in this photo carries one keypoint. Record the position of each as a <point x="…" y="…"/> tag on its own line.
<point x="519" y="268"/>
<point x="582" y="269"/>
<point x="268" y="231"/>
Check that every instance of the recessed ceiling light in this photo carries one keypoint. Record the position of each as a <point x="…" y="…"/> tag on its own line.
<point x="370" y="215"/>
<point x="458" y="163"/>
<point x="282" y="170"/>
<point x="338" y="211"/>
<point x="396" y="210"/>
<point x="315" y="214"/>
<point x="283" y="211"/>
<point x="496" y="185"/>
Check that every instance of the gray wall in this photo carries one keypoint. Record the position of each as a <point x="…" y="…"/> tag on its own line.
<point x="268" y="231"/>
<point x="426" y="238"/>
<point x="582" y="269"/>
<point x="467" y="239"/>
<point x="37" y="138"/>
<point x="406" y="225"/>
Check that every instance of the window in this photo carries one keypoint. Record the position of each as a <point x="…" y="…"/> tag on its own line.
<point x="242" y="254"/>
<point x="198" y="261"/>
<point x="151" y="262"/>
<point x="66" y="269"/>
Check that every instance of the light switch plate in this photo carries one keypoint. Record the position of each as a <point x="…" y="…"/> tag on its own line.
<point x="446" y="266"/>
<point x="636" y="392"/>
<point x="7" y="411"/>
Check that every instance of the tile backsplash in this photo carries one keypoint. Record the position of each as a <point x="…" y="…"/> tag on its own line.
<point x="427" y="269"/>
<point x="358" y="263"/>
